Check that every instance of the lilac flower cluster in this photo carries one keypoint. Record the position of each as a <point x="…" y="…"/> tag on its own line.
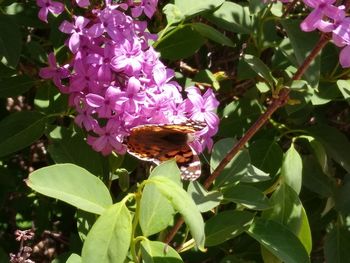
<point x="116" y="81"/>
<point x="329" y="18"/>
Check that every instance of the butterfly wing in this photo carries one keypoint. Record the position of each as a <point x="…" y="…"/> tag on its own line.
<point x="159" y="143"/>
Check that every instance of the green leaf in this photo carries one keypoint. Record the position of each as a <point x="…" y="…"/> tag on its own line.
<point x="48" y="99"/>
<point x="292" y="169"/>
<point x="173" y="14"/>
<point x="14" y="86"/>
<point x="260" y="68"/>
<point x="19" y="130"/>
<point x="181" y="42"/>
<point x="156" y="213"/>
<point x="344" y="87"/>
<point x="74" y="258"/>
<point x="303" y="43"/>
<point x="254" y="175"/>
<point x="158" y="252"/>
<point x="288" y="210"/>
<point x="315" y="180"/>
<point x="266" y="155"/>
<point x="235" y="169"/>
<point x="192" y="7"/>
<point x="10" y="41"/>
<point x="247" y="196"/>
<point x="337" y="246"/>
<point x="336" y="143"/>
<point x="226" y="225"/>
<point x="232" y="17"/>
<point x="73" y="185"/>
<point x="109" y="238"/>
<point x="278" y="240"/>
<point x="204" y="200"/>
<point x="70" y="147"/>
<point x="212" y="34"/>
<point x="184" y="205"/>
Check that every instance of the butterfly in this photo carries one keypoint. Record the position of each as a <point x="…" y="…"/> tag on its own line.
<point x="161" y="142"/>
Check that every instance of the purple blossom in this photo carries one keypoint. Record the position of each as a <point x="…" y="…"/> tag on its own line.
<point x="54" y="72"/>
<point x="148" y="7"/>
<point x="116" y="79"/>
<point x="83" y="3"/>
<point x="47" y="6"/>
<point x="201" y="107"/>
<point x="76" y="30"/>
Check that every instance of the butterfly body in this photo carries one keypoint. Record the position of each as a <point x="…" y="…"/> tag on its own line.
<point x="162" y="142"/>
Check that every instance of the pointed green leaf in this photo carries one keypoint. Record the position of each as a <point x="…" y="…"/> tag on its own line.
<point x="247" y="196"/>
<point x="14" y="86"/>
<point x="212" y="34"/>
<point x="19" y="130"/>
<point x="193" y="7"/>
<point x="204" y="200"/>
<point x="226" y="225"/>
<point x="158" y="252"/>
<point x="279" y="240"/>
<point x="73" y="185"/>
<point x="156" y="213"/>
<point x="182" y="202"/>
<point x="109" y="238"/>
<point x="260" y="68"/>
<point x="292" y="169"/>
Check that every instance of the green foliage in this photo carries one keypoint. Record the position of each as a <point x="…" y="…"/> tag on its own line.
<point x="282" y="197"/>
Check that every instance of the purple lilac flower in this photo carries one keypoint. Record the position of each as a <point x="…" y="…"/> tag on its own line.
<point x="47" y="6"/>
<point x="83" y="3"/>
<point x="54" y="72"/>
<point x="116" y="80"/>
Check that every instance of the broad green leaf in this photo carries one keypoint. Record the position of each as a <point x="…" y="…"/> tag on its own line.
<point x="73" y="185"/>
<point x="19" y="130"/>
<point x="260" y="68"/>
<point x="235" y="169"/>
<point x="336" y="143"/>
<point x="247" y="196"/>
<point x="74" y="258"/>
<point x="344" y="87"/>
<point x="278" y="240"/>
<point x="292" y="169"/>
<point x="232" y="17"/>
<point x="254" y="175"/>
<point x="337" y="245"/>
<point x="158" y="252"/>
<point x="303" y="43"/>
<point x="226" y="225"/>
<point x="212" y="34"/>
<point x="288" y="210"/>
<point x="14" y="86"/>
<point x="181" y="42"/>
<point x="182" y="203"/>
<point x="10" y="41"/>
<point x="109" y="238"/>
<point x="70" y="147"/>
<point x="194" y="7"/>
<point x="204" y="200"/>
<point x="320" y="153"/>
<point x="315" y="180"/>
<point x="266" y="155"/>
<point x="156" y="213"/>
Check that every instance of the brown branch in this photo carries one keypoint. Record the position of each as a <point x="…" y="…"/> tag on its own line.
<point x="277" y="102"/>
